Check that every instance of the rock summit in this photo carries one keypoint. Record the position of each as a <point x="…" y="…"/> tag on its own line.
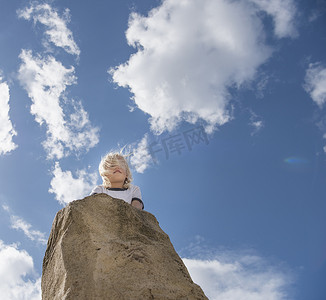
<point x="103" y="248"/>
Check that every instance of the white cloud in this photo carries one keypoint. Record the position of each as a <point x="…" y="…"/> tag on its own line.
<point x="257" y="126"/>
<point x="256" y="122"/>
<point x="20" y="224"/>
<point x="6" y="128"/>
<point x="315" y="83"/>
<point x="15" y="266"/>
<point x="67" y="188"/>
<point x="190" y="53"/>
<point x="57" y="31"/>
<point x="244" y="277"/>
<point x="45" y="81"/>
<point x="315" y="86"/>
<point x="34" y="235"/>
<point x="226" y="274"/>
<point x="283" y="12"/>
<point x="141" y="158"/>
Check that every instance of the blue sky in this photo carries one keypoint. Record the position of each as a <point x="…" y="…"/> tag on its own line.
<point x="222" y="104"/>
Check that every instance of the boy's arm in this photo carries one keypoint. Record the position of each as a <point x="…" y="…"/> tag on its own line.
<point x="136" y="198"/>
<point x="137" y="203"/>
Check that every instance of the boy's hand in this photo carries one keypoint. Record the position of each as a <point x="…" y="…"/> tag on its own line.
<point x="137" y="204"/>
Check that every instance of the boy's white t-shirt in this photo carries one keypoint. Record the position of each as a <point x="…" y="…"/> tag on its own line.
<point x="132" y="193"/>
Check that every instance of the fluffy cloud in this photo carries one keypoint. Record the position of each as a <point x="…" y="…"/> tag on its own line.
<point x="45" y="80"/>
<point x="283" y="13"/>
<point x="20" y="224"/>
<point x="315" y="83"/>
<point x="191" y="53"/>
<point x="141" y="158"/>
<point x="15" y="266"/>
<point x="6" y="128"/>
<point x="67" y="188"/>
<point x="57" y="31"/>
<point x="236" y="274"/>
<point x="244" y="277"/>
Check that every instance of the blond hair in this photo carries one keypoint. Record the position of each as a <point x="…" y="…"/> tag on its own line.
<point x="109" y="160"/>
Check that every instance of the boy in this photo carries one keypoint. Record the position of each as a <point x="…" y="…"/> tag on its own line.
<point x="117" y="178"/>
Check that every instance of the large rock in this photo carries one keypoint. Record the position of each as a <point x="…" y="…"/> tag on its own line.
<point x="103" y="248"/>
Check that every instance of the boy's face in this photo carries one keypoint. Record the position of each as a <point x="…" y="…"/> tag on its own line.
<point x="117" y="172"/>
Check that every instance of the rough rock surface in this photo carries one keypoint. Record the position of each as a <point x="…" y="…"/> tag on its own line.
<point x="103" y="248"/>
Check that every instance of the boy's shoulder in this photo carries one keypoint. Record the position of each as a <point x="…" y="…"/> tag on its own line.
<point x="98" y="189"/>
<point x="133" y="187"/>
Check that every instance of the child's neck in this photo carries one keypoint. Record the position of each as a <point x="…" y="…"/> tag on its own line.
<point x="116" y="185"/>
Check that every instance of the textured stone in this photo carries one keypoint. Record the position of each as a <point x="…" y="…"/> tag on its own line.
<point x="103" y="248"/>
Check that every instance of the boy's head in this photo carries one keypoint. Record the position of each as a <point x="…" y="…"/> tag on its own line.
<point x="111" y="161"/>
